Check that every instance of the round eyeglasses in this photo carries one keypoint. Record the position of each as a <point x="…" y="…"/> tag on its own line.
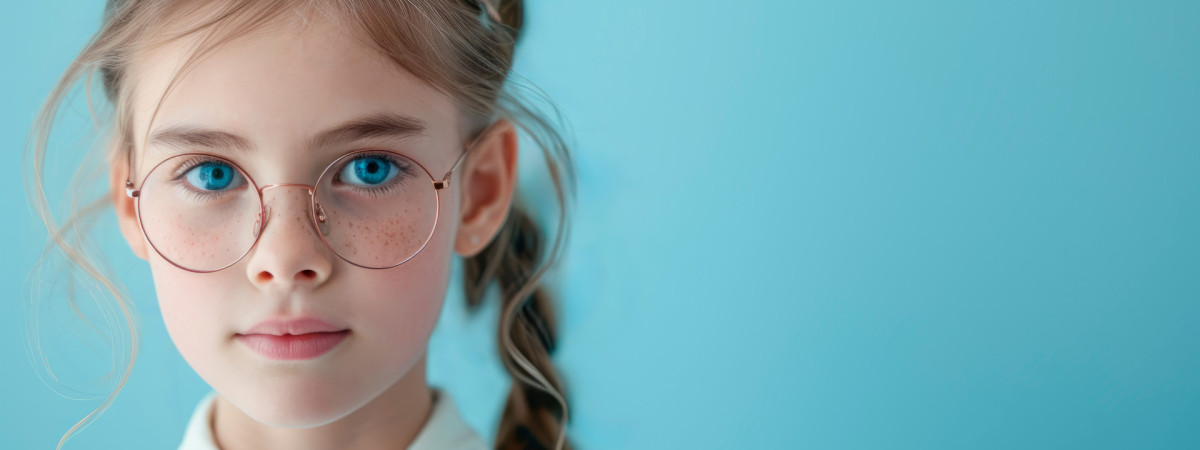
<point x="374" y="209"/>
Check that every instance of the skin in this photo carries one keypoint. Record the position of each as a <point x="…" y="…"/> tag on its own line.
<point x="277" y="87"/>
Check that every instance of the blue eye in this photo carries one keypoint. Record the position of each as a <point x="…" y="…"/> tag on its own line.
<point x="369" y="171"/>
<point x="211" y="175"/>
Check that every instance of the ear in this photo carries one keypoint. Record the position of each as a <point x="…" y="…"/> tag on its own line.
<point x="125" y="208"/>
<point x="487" y="184"/>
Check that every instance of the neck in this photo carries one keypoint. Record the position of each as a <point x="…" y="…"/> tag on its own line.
<point x="390" y="420"/>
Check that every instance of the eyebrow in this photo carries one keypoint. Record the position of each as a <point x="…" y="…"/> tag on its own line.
<point x="381" y="125"/>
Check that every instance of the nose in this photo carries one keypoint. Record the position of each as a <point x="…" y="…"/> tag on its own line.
<point x="289" y="254"/>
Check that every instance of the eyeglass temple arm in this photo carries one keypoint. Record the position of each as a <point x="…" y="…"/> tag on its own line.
<point x="445" y="181"/>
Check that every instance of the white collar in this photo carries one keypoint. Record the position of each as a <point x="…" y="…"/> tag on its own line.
<point x="445" y="429"/>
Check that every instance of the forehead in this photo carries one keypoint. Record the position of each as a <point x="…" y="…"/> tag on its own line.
<point x="280" y="84"/>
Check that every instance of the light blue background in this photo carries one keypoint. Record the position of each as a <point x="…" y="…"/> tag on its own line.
<point x="851" y="225"/>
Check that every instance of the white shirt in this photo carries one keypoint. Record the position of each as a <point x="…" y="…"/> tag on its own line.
<point x="445" y="429"/>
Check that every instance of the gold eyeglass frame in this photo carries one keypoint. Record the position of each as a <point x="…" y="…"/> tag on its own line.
<point x="316" y="213"/>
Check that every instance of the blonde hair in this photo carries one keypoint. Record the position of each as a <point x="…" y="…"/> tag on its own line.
<point x="456" y="46"/>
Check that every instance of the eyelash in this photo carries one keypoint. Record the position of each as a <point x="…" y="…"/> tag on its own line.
<point x="405" y="170"/>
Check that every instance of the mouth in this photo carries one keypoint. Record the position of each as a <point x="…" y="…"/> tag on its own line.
<point x="291" y="347"/>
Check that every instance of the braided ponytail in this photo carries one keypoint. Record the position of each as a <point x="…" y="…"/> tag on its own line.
<point x="532" y="417"/>
<point x="535" y="413"/>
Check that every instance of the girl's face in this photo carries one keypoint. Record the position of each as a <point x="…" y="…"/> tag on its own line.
<point x="277" y="88"/>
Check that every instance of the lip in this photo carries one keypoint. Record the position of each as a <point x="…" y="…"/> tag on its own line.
<point x="293" y="339"/>
<point x="300" y="325"/>
<point x="293" y="347"/>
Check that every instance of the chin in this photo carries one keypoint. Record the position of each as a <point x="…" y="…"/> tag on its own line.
<point x="295" y="409"/>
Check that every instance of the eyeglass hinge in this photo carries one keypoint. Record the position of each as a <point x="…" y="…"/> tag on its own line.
<point x="439" y="184"/>
<point x="129" y="191"/>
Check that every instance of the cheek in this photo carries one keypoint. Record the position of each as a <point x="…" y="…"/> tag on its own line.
<point x="401" y="305"/>
<point x="195" y="310"/>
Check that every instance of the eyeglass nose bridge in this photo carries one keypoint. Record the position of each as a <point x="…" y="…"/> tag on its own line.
<point x="264" y="215"/>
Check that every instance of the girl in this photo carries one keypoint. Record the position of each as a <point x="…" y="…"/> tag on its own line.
<point x="298" y="175"/>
